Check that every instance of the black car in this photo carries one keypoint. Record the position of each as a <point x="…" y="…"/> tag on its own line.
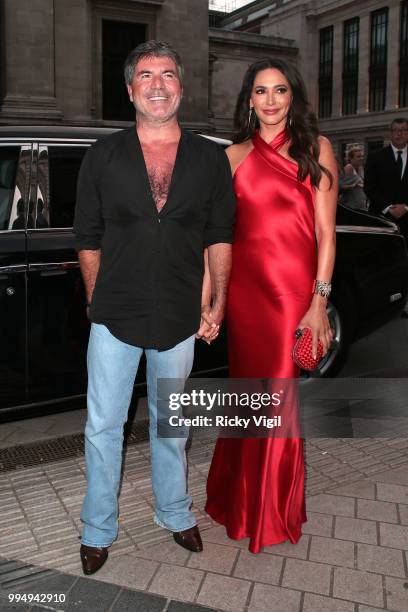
<point x="43" y="324"/>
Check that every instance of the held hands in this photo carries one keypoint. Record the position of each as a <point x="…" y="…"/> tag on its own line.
<point x="209" y="325"/>
<point x="316" y="319"/>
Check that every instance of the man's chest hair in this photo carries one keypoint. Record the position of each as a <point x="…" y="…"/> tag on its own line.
<point x="159" y="171"/>
<point x="159" y="178"/>
<point x="160" y="165"/>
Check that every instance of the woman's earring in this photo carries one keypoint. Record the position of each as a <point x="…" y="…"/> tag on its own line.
<point x="250" y="115"/>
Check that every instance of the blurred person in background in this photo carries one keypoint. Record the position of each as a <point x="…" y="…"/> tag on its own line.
<point x="386" y="179"/>
<point x="351" y="180"/>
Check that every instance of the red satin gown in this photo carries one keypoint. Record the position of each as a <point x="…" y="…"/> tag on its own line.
<point x="256" y="485"/>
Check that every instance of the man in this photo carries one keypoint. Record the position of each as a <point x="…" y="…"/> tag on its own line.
<point x="386" y="179"/>
<point x="150" y="198"/>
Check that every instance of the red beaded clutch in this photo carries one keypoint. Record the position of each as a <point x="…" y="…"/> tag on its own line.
<point x="302" y="350"/>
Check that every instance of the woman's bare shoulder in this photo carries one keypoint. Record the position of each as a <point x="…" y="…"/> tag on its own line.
<point x="324" y="143"/>
<point x="328" y="161"/>
<point x="326" y="151"/>
<point x="237" y="153"/>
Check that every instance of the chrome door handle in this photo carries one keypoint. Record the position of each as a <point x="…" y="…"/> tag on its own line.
<point x="13" y="269"/>
<point x="53" y="269"/>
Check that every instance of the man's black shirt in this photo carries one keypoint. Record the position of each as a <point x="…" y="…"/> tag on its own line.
<point x="148" y="289"/>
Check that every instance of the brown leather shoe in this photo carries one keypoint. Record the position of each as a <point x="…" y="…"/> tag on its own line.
<point x="189" y="538"/>
<point x="92" y="558"/>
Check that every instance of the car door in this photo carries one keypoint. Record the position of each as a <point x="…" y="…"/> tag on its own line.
<point x="371" y="259"/>
<point x="57" y="325"/>
<point x="15" y="169"/>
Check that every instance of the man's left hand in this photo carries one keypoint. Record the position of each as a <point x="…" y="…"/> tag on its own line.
<point x="398" y="210"/>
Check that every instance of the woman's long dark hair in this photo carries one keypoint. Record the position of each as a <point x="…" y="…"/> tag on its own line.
<point x="301" y="121"/>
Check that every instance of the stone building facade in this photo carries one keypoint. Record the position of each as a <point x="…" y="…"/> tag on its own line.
<point x="230" y="55"/>
<point x="61" y="60"/>
<point x="353" y="55"/>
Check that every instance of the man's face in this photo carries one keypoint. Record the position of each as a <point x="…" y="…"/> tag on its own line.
<point x="156" y="89"/>
<point x="399" y="134"/>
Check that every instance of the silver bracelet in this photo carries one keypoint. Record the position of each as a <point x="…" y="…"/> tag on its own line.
<point x="322" y="288"/>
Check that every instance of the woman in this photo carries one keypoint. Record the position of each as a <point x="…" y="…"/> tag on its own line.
<point x="352" y="180"/>
<point x="285" y="185"/>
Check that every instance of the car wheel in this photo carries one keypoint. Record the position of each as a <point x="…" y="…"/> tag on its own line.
<point x="334" y="358"/>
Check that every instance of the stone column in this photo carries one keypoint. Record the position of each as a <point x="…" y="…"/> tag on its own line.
<point x="308" y="63"/>
<point x="337" y="68"/>
<point x="363" y="64"/>
<point x="28" y="82"/>
<point x="212" y="58"/>
<point x="73" y="56"/>
<point x="187" y="28"/>
<point x="392" y="90"/>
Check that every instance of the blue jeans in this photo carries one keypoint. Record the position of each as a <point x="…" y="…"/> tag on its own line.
<point x="112" y="367"/>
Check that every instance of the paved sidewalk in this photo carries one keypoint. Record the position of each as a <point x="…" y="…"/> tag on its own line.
<point x="51" y="590"/>
<point x="40" y="429"/>
<point x="352" y="556"/>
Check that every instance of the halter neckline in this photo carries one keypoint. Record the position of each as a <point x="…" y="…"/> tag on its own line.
<point x="278" y="142"/>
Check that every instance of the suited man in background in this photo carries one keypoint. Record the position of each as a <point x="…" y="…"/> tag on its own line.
<point x="386" y="178"/>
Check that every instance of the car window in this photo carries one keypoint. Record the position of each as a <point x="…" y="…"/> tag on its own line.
<point x="8" y="172"/>
<point x="64" y="164"/>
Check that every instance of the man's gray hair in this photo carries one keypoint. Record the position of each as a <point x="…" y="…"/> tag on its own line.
<point x="151" y="48"/>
